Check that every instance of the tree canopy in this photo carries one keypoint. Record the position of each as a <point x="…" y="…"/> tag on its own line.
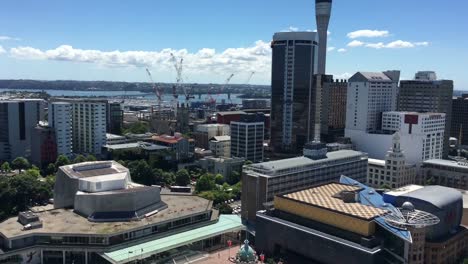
<point x="182" y="178"/>
<point x="20" y="164"/>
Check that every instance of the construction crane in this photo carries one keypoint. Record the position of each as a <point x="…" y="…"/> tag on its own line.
<point x="157" y="91"/>
<point x="178" y="66"/>
<point x="250" y="77"/>
<point x="213" y="100"/>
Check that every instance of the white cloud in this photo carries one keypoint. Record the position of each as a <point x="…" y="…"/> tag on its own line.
<point x="256" y="57"/>
<point x="397" y="44"/>
<point x="367" y="33"/>
<point x="355" y="43"/>
<point x="3" y="38"/>
<point x="345" y="76"/>
<point x="331" y="49"/>
<point x="342" y="50"/>
<point x="309" y="30"/>
<point x="2" y="50"/>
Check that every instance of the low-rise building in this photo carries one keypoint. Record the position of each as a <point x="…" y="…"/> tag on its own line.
<point x="223" y="166"/>
<point x="447" y="241"/>
<point x="448" y="173"/>
<point x="342" y="222"/>
<point x="393" y="172"/>
<point x="204" y="132"/>
<point x="101" y="216"/>
<point x="262" y="181"/>
<point x="221" y="146"/>
<point x="112" y="139"/>
<point x="182" y="148"/>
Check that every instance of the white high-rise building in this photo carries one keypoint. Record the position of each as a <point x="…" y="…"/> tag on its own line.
<point x="89" y="126"/>
<point x="60" y="118"/>
<point x="421" y="136"/>
<point x="369" y="95"/>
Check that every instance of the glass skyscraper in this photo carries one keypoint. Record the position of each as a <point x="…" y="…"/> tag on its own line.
<point x="294" y="65"/>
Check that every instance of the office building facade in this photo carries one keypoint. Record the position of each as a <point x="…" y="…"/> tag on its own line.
<point x="60" y="115"/>
<point x="262" y="181"/>
<point x="447" y="173"/>
<point x="334" y="109"/>
<point x="459" y="126"/>
<point x="294" y="64"/>
<point x="421" y="136"/>
<point x="247" y="137"/>
<point x="44" y="146"/>
<point x="369" y="95"/>
<point x="221" y="146"/>
<point x="115" y="116"/>
<point x="427" y="94"/>
<point x="204" y="132"/>
<point x="18" y="118"/>
<point x="89" y="126"/>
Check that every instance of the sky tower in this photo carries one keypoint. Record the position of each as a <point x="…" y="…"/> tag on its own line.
<point x="322" y="15"/>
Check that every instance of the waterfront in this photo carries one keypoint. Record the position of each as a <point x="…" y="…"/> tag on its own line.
<point x="132" y="95"/>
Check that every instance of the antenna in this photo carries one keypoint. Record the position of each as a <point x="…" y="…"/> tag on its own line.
<point x="408" y="217"/>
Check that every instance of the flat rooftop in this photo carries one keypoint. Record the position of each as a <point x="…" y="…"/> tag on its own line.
<point x="93" y="169"/>
<point x="304" y="161"/>
<point x="404" y="190"/>
<point x="376" y="162"/>
<point x="322" y="196"/>
<point x="65" y="221"/>
<point x="447" y="163"/>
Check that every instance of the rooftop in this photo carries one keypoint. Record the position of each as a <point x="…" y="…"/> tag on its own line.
<point x="323" y="197"/>
<point x="65" y="221"/>
<point x="438" y="196"/>
<point x="447" y="163"/>
<point x="94" y="169"/>
<point x="226" y="223"/>
<point x="303" y="161"/>
<point x="221" y="138"/>
<point x="376" y="162"/>
<point x="375" y="76"/>
<point x="404" y="190"/>
<point x="113" y="136"/>
<point x="231" y="113"/>
<point x="168" y="139"/>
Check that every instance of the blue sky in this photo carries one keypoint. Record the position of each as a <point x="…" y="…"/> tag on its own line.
<point x="117" y="40"/>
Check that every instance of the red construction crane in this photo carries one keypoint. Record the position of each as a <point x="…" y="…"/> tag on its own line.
<point x="213" y="100"/>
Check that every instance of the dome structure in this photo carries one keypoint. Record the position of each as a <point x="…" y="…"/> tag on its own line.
<point x="246" y="254"/>
<point x="407" y="206"/>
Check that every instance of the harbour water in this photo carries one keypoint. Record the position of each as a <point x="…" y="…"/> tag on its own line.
<point x="134" y="95"/>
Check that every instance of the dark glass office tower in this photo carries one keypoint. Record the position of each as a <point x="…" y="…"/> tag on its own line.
<point x="294" y="65"/>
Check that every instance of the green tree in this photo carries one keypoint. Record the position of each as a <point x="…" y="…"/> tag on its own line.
<point x="34" y="172"/>
<point x="224" y="209"/>
<point x="50" y="169"/>
<point x="234" y="177"/>
<point x="168" y="178"/>
<point x="62" y="160"/>
<point x="79" y="158"/>
<point x="182" y="178"/>
<point x="137" y="128"/>
<point x="20" y="164"/>
<point x="248" y="162"/>
<point x="141" y="172"/>
<point x="5" y="168"/>
<point x="431" y="181"/>
<point x="205" y="183"/>
<point x="219" y="179"/>
<point x="90" y="158"/>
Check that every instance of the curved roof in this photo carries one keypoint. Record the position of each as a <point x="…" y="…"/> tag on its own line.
<point x="438" y="196"/>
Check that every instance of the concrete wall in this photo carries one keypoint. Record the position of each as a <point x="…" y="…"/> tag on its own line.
<point x="275" y="237"/>
<point x="64" y="190"/>
<point x="89" y="203"/>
